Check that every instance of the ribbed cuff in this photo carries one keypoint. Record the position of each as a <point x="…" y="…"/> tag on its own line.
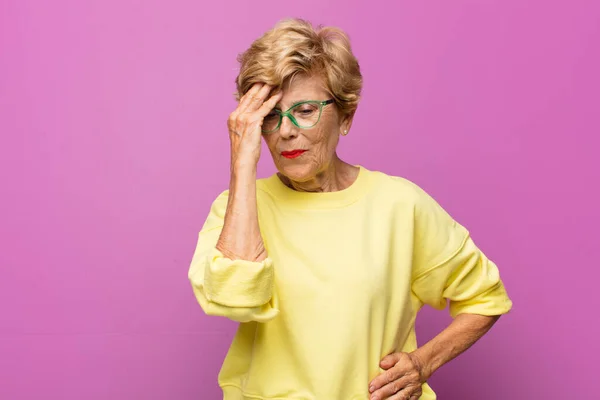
<point x="237" y="283"/>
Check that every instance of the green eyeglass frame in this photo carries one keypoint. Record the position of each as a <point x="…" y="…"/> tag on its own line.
<point x="287" y="113"/>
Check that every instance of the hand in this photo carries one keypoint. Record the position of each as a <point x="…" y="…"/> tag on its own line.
<point x="402" y="379"/>
<point x="245" y="124"/>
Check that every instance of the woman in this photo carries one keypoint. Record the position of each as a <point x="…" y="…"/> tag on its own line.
<point x="326" y="264"/>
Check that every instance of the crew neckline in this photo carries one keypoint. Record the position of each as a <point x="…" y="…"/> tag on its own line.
<point x="287" y="196"/>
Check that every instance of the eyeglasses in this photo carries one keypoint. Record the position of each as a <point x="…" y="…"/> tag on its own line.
<point x="304" y="115"/>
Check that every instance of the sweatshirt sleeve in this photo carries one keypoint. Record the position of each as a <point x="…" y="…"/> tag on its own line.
<point x="449" y="267"/>
<point x="236" y="289"/>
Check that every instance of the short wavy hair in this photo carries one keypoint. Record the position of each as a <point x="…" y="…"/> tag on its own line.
<point x="294" y="47"/>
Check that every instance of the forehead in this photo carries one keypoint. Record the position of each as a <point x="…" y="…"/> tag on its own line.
<point x="303" y="87"/>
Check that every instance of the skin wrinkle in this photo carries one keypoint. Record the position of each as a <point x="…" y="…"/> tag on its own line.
<point x="319" y="169"/>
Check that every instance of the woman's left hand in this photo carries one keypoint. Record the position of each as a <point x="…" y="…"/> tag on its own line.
<point x="402" y="379"/>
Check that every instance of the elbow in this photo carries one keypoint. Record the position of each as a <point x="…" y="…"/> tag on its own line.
<point x="236" y="289"/>
<point x="263" y="313"/>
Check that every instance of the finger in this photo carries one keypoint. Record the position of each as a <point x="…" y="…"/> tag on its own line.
<point x="406" y="394"/>
<point x="248" y="121"/>
<point x="268" y="105"/>
<point x="247" y="98"/>
<point x="257" y="100"/>
<point x="398" y="396"/>
<point x="394" y="366"/>
<point x="241" y="116"/>
<point x="397" y="391"/>
<point x="384" y="379"/>
<point x="386" y="391"/>
<point x="409" y="393"/>
<point x="390" y="360"/>
<point x="395" y="386"/>
<point x="231" y="121"/>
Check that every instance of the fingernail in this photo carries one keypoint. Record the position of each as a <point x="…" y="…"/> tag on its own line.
<point x="371" y="388"/>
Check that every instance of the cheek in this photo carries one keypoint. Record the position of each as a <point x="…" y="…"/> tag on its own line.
<point x="330" y="137"/>
<point x="270" y="141"/>
<point x="325" y="144"/>
<point x="326" y="136"/>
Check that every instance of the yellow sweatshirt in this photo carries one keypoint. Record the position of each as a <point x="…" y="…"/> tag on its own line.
<point x="345" y="276"/>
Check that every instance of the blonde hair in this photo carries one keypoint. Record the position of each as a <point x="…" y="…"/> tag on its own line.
<point x="294" y="47"/>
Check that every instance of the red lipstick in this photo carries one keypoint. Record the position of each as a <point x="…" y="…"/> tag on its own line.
<point x="293" y="153"/>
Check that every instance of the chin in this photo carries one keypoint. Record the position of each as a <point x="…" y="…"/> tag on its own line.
<point x="297" y="172"/>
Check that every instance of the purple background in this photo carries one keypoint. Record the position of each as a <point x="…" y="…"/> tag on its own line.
<point x="114" y="143"/>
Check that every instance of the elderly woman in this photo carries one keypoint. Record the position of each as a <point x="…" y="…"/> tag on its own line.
<point x="326" y="264"/>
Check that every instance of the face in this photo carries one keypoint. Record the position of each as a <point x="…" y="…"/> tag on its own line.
<point x="318" y="143"/>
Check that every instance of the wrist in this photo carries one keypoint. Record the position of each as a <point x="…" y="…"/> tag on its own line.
<point x="423" y="363"/>
<point x="242" y="183"/>
<point x="243" y="169"/>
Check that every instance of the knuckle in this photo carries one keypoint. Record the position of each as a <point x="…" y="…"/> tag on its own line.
<point x="414" y="394"/>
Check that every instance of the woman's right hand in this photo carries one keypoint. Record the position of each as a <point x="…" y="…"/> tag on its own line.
<point x="240" y="236"/>
<point x="245" y="125"/>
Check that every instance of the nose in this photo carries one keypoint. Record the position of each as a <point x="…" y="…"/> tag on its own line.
<point x="287" y="130"/>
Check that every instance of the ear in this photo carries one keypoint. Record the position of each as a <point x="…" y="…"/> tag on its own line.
<point x="346" y="124"/>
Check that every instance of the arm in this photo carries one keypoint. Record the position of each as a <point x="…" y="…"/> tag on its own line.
<point x="240" y="237"/>
<point x="447" y="268"/>
<point x="231" y="274"/>
<point x="406" y="372"/>
<point x="460" y="335"/>
<point x="235" y="288"/>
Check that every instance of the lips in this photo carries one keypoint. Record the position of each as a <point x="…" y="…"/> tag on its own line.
<point x="293" y="153"/>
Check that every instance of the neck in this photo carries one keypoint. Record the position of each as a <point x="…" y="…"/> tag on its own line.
<point x="338" y="175"/>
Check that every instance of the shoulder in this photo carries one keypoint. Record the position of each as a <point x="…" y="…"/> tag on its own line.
<point x="398" y="192"/>
<point x="397" y="188"/>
